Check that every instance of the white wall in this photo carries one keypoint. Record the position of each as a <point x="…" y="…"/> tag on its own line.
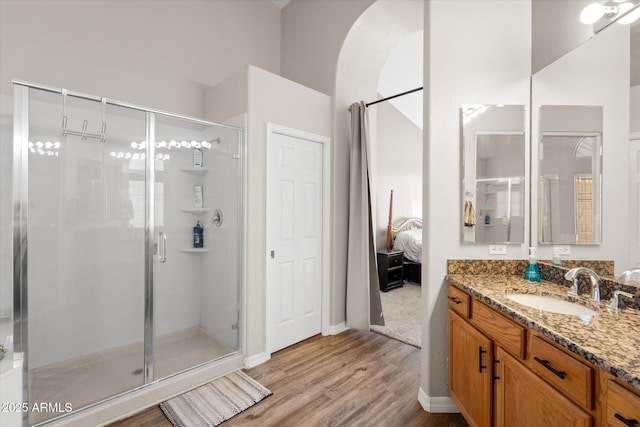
<point x="398" y="168"/>
<point x="158" y="54"/>
<point x="634" y="124"/>
<point x="561" y="32"/>
<point x="486" y="59"/>
<point x="313" y="33"/>
<point x="271" y="99"/>
<point x="576" y="79"/>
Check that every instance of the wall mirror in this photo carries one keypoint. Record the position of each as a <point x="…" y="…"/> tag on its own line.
<point x="493" y="193"/>
<point x="570" y="174"/>
<point x="603" y="71"/>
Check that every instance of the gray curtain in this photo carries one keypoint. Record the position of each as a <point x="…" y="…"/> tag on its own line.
<point x="363" y="295"/>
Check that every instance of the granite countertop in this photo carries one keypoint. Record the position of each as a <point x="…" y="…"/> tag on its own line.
<point x="610" y="340"/>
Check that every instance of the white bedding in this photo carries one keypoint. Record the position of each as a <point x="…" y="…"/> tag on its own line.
<point x="410" y="241"/>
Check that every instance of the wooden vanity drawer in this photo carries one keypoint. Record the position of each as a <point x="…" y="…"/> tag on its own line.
<point x="569" y="375"/>
<point x="623" y="406"/>
<point x="459" y="301"/>
<point x="508" y="334"/>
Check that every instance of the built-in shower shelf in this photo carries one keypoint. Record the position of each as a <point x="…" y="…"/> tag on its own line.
<point x="195" y="171"/>
<point x="195" y="211"/>
<point x="194" y="250"/>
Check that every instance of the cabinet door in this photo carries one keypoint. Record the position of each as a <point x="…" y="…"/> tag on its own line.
<point x="470" y="356"/>
<point x="623" y="407"/>
<point x="523" y="399"/>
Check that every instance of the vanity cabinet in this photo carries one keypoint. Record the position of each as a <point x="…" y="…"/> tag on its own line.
<point x="503" y="374"/>
<point x="470" y="382"/>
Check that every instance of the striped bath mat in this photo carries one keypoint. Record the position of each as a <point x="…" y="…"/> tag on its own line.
<point x="215" y="402"/>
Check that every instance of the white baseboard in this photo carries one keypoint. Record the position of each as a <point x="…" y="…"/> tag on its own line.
<point x="256" y="359"/>
<point x="335" y="329"/>
<point x="442" y="405"/>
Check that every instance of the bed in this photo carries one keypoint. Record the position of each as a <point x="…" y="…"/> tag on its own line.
<point x="406" y="237"/>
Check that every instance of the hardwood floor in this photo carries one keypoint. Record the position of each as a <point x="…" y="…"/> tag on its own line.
<point x="356" y="378"/>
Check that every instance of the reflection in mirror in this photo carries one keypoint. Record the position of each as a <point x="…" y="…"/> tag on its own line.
<point x="493" y="147"/>
<point x="599" y="70"/>
<point x="570" y="181"/>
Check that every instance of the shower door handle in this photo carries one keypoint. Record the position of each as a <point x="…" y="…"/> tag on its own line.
<point x="162" y="246"/>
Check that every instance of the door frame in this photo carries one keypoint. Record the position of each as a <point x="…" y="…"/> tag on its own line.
<point x="275" y="129"/>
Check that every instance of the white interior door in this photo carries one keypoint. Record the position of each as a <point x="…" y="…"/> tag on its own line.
<point x="294" y="239"/>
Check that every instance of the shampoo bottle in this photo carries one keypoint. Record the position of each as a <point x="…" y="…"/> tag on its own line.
<point x="197" y="236"/>
<point x="533" y="272"/>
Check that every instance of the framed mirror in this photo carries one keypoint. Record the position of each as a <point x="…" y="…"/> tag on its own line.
<point x="570" y="175"/>
<point x="493" y="193"/>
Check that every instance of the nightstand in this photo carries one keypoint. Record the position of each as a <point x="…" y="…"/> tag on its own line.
<point x="390" y="269"/>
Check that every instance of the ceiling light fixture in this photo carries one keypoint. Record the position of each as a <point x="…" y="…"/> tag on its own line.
<point x="596" y="11"/>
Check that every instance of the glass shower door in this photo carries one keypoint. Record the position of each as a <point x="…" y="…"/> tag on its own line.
<point x="86" y="248"/>
<point x="196" y="283"/>
<point x="113" y="291"/>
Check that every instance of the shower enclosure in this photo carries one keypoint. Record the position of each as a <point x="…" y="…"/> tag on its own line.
<point x="110" y="294"/>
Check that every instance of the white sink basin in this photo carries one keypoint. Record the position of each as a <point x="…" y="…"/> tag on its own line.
<point x="551" y="304"/>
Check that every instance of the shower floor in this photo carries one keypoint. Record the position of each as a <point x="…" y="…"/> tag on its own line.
<point x="88" y="379"/>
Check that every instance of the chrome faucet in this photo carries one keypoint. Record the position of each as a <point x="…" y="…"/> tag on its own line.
<point x="613" y="304"/>
<point x="595" y="282"/>
<point x="625" y="277"/>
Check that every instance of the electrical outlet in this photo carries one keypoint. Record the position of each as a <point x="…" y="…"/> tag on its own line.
<point x="497" y="249"/>
<point x="562" y="250"/>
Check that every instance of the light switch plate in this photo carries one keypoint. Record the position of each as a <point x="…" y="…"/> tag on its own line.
<point x="497" y="249"/>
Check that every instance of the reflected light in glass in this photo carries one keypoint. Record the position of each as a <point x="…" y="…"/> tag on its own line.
<point x="592" y="13"/>
<point x="631" y="17"/>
